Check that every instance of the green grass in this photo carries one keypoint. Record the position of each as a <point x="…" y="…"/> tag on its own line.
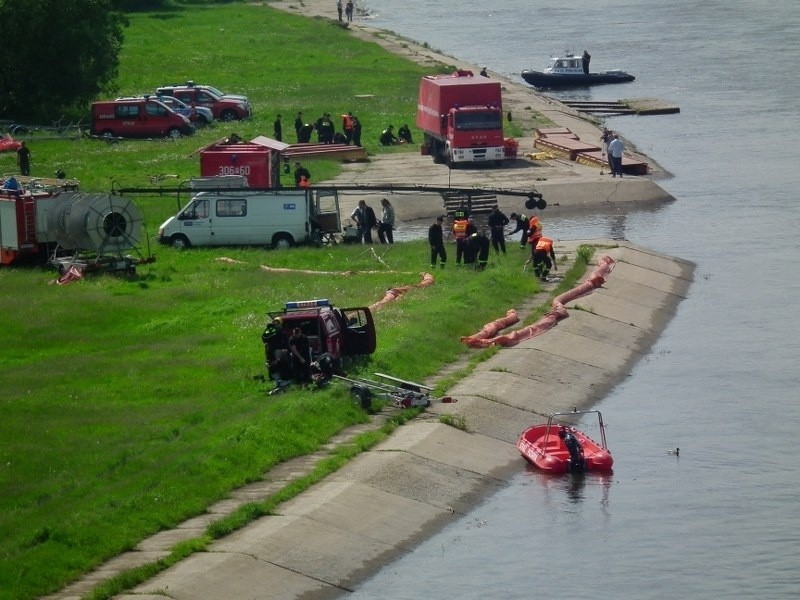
<point x="129" y="405"/>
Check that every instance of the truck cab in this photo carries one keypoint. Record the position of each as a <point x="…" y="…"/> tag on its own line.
<point x="339" y="332"/>
<point x="461" y="117"/>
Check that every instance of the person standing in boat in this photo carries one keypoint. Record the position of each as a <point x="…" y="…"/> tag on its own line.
<point x="586" y="58"/>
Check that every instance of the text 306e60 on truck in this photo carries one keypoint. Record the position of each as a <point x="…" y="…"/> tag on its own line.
<point x="461" y="116"/>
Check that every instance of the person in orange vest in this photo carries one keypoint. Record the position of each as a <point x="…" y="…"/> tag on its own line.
<point x="302" y="177"/>
<point x="544" y="258"/>
<point x="459" y="233"/>
<point x="347" y="127"/>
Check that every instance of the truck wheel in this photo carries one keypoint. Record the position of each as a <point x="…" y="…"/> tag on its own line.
<point x="174" y="133"/>
<point x="282" y="241"/>
<point x="181" y="242"/>
<point x="228" y="115"/>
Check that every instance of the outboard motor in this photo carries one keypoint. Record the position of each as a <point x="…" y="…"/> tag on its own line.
<point x="576" y="463"/>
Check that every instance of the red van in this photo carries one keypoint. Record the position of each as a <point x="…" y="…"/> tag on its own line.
<point x="138" y="117"/>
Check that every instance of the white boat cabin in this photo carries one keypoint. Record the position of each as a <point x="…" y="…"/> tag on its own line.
<point x="568" y="65"/>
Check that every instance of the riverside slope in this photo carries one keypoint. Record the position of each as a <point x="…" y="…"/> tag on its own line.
<point x="383" y="503"/>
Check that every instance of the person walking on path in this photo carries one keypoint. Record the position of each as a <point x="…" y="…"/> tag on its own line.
<point x="348" y="10"/>
<point x="436" y="240"/>
<point x="24" y="159"/>
<point x="339" y="8"/>
<point x="277" y="129"/>
<point x="386" y="225"/>
<point x="615" y="150"/>
<point x="497" y="222"/>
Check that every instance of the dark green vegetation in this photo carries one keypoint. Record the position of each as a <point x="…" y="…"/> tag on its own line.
<point x="130" y="405"/>
<point x="56" y="55"/>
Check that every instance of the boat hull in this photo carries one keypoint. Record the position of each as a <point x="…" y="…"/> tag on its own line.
<point x="544" y="448"/>
<point x="558" y="80"/>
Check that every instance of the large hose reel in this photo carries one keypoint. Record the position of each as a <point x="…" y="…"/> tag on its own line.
<point x="94" y="222"/>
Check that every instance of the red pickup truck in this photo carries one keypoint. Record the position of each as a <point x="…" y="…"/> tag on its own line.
<point x="226" y="107"/>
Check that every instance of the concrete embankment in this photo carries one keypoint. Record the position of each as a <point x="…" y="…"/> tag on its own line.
<point x="387" y="500"/>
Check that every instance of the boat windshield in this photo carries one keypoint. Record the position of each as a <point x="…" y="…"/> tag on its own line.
<point x="479" y="120"/>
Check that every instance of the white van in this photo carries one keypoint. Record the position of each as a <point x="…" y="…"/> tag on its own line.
<point x="278" y="218"/>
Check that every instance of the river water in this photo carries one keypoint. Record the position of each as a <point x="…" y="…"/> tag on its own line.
<point x="722" y="520"/>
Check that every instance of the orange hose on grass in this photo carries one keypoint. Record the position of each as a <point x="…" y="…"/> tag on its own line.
<point x="597" y="278"/>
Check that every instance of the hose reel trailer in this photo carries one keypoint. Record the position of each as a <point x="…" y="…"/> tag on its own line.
<point x="92" y="231"/>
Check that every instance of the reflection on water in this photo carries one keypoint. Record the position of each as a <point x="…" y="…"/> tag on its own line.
<point x="571" y="488"/>
<point x="576" y="225"/>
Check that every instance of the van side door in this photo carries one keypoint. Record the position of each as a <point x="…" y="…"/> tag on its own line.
<point x="230" y="226"/>
<point x="128" y="119"/>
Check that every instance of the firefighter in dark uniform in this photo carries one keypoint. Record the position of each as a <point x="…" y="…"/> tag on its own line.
<point x="479" y="249"/>
<point x="497" y="223"/>
<point x="436" y="241"/>
<point x="522" y="224"/>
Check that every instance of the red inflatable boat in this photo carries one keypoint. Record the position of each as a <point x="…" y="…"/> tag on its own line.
<point x="556" y="447"/>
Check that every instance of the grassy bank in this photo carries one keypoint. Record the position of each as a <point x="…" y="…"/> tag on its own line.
<point x="283" y="63"/>
<point x="130" y="405"/>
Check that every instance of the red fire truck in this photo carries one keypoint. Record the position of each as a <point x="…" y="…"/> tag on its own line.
<point x="461" y="116"/>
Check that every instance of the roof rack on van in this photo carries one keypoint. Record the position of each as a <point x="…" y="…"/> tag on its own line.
<point x="232" y="182"/>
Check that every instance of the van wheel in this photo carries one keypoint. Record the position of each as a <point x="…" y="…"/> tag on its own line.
<point x="181" y="242"/>
<point x="282" y="241"/>
<point x="174" y="133"/>
<point x="228" y="115"/>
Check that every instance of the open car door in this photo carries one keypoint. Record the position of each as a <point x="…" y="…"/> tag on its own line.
<point x="358" y="331"/>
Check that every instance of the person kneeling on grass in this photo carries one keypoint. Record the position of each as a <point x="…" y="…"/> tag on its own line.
<point x="388" y="137"/>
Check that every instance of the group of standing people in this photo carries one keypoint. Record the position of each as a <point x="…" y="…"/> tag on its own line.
<point x="349" y="8"/>
<point x="365" y="219"/>
<point x="325" y="128"/>
<point x="472" y="243"/>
